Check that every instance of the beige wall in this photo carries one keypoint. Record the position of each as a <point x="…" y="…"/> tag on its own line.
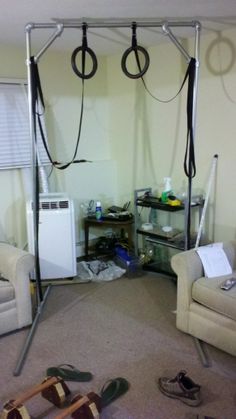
<point x="132" y="139"/>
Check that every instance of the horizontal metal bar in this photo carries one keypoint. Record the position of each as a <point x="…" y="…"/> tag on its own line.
<point x="77" y="23"/>
<point x="163" y="243"/>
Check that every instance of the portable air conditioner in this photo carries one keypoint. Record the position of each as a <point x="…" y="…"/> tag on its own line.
<point x="57" y="250"/>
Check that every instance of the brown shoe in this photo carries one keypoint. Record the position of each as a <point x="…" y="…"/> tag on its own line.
<point x="182" y="388"/>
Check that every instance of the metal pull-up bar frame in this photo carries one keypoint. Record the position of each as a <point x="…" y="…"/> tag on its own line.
<point x="58" y="26"/>
<point x="165" y="26"/>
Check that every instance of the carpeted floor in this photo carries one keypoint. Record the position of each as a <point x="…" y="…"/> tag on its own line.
<point x="126" y="328"/>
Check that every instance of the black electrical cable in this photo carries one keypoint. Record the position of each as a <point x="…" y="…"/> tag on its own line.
<point x="84" y="49"/>
<point x="136" y="49"/>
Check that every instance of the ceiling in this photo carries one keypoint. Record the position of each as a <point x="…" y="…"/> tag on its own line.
<point x="214" y="15"/>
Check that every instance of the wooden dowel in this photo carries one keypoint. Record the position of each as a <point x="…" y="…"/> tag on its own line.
<point x="74" y="406"/>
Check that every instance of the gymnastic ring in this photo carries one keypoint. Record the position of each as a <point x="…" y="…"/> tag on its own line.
<point x="124" y="59"/>
<point x="94" y="61"/>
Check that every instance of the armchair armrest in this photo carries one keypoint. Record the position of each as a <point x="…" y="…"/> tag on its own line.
<point x="230" y="250"/>
<point x="16" y="265"/>
<point x="188" y="267"/>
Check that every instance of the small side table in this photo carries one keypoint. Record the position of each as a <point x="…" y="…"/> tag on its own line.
<point x="114" y="224"/>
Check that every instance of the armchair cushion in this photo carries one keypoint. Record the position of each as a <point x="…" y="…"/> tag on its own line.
<point x="208" y="293"/>
<point x="6" y="291"/>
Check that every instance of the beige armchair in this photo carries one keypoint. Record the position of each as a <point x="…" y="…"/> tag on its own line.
<point x="204" y="310"/>
<point x="15" y="298"/>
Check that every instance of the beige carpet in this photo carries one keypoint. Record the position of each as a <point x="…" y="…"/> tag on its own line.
<point x="122" y="328"/>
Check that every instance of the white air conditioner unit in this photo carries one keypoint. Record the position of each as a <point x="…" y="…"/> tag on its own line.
<point x="57" y="249"/>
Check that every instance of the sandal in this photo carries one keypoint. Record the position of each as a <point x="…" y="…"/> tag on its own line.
<point x="113" y="389"/>
<point x="69" y="374"/>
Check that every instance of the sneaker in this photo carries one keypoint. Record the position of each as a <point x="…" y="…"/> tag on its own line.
<point x="182" y="388"/>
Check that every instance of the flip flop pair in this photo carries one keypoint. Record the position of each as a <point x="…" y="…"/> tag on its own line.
<point x="69" y="373"/>
<point x="111" y="390"/>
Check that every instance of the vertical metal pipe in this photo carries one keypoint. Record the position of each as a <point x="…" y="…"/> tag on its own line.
<point x="196" y="80"/>
<point x="211" y="178"/>
<point x="195" y="91"/>
<point x="28" y="55"/>
<point x="27" y="343"/>
<point x="197" y="64"/>
<point x="33" y="153"/>
<point x="40" y="300"/>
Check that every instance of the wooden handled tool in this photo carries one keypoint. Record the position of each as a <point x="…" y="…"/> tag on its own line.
<point x="53" y="389"/>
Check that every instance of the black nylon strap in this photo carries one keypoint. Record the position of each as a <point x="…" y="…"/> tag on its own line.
<point x="134" y="35"/>
<point x="84" y="39"/>
<point x="189" y="158"/>
<point x="37" y="263"/>
<point x="33" y="78"/>
<point x="37" y="98"/>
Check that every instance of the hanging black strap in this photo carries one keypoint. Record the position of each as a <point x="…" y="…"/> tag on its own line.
<point x="189" y="158"/>
<point x="136" y="49"/>
<point x="37" y="100"/>
<point x="35" y="92"/>
<point x="37" y="262"/>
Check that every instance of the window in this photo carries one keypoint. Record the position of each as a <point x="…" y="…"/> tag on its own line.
<point x="15" y="141"/>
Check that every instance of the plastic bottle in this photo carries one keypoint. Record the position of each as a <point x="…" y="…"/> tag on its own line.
<point x="98" y="210"/>
<point x="167" y="189"/>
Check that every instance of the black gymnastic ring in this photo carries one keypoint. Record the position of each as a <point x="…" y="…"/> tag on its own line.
<point x="124" y="59"/>
<point x="94" y="60"/>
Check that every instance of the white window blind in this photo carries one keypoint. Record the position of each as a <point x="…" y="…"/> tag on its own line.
<point x="15" y="141"/>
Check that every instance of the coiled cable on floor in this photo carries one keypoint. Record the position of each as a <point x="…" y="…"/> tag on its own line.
<point x="136" y="49"/>
<point x="84" y="49"/>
